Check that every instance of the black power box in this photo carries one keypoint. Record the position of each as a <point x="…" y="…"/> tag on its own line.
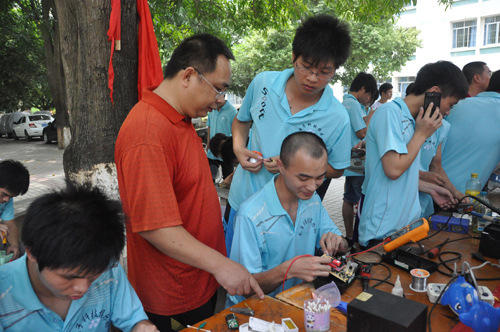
<point x="490" y="241"/>
<point x="378" y="311"/>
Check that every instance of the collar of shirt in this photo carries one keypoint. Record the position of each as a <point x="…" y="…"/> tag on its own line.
<point x="278" y="88"/>
<point x="22" y="289"/>
<point x="490" y="94"/>
<point x="404" y="109"/>
<point x="148" y="96"/>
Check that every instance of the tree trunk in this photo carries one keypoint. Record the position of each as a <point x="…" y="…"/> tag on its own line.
<point x="95" y="121"/>
<point x="55" y="73"/>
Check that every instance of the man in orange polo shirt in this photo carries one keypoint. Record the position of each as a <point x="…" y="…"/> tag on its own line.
<point x="176" y="251"/>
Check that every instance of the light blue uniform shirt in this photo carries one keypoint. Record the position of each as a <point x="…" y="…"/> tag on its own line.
<point x="266" y="104"/>
<point x="7" y="210"/>
<point x="110" y="299"/>
<point x="389" y="204"/>
<point x="356" y="113"/>
<point x="265" y="235"/>
<point x="427" y="153"/>
<point x="473" y="144"/>
<point x="220" y="122"/>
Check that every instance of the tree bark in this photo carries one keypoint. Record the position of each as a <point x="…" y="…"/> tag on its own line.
<point x="95" y="121"/>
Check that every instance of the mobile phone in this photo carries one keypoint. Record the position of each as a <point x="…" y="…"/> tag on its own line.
<point x="432" y="97"/>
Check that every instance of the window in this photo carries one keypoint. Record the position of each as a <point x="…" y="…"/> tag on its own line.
<point x="403" y="83"/>
<point x="492" y="30"/>
<point x="464" y="34"/>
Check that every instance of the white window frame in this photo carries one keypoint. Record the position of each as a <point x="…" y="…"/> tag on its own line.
<point x="487" y="28"/>
<point x="467" y="34"/>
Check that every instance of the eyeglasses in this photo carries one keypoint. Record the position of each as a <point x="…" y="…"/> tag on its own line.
<point x="219" y="93"/>
<point x="308" y="72"/>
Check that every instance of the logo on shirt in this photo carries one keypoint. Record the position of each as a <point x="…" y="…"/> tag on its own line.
<point x="429" y="143"/>
<point x="262" y="110"/>
<point x="91" y="320"/>
<point x="308" y="225"/>
<point x="311" y="128"/>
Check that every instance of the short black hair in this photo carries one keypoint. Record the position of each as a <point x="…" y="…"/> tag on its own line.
<point x="443" y="74"/>
<point x="14" y="177"/>
<point x="494" y="85"/>
<point x="364" y="80"/>
<point x="375" y="96"/>
<point x="78" y="227"/>
<point x="226" y="150"/>
<point x="199" y="51"/>
<point x="473" y="68"/>
<point x="385" y="87"/>
<point x="215" y="143"/>
<point x="408" y="89"/>
<point x="321" y="39"/>
<point x="310" y="142"/>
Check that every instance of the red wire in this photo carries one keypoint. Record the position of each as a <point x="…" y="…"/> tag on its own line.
<point x="370" y="249"/>
<point x="289" y="266"/>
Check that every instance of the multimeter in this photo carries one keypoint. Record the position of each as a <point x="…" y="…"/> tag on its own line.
<point x="415" y="231"/>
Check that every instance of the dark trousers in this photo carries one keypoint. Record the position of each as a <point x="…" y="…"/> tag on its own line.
<point x="321" y="191"/>
<point x="163" y="323"/>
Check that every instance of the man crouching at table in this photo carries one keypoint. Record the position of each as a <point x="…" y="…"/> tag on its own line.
<point x="285" y="220"/>
<point x="69" y="279"/>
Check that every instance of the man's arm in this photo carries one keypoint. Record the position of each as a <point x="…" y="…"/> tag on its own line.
<point x="440" y="195"/>
<point x="12" y="238"/>
<point x="394" y="163"/>
<point x="240" y="132"/>
<point x="437" y="167"/>
<point x="180" y="245"/>
<point x="145" y="326"/>
<point x="305" y="268"/>
<point x="332" y="173"/>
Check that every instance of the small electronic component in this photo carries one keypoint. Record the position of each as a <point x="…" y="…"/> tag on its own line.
<point x="232" y="322"/>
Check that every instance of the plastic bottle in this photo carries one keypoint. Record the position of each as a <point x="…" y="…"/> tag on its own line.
<point x="472" y="188"/>
<point x="483" y="209"/>
<point x="397" y="289"/>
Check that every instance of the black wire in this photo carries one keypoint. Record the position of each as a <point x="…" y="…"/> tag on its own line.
<point x="437" y="302"/>
<point x="459" y="256"/>
<point x="368" y="263"/>
<point x="387" y="278"/>
<point x="444" y="226"/>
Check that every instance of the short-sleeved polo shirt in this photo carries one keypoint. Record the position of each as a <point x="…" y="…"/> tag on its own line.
<point x="7" y="210"/>
<point x="389" y="204"/>
<point x="110" y="299"/>
<point x="265" y="236"/>
<point x="356" y="113"/>
<point x="266" y="104"/>
<point x="427" y="153"/>
<point x="165" y="181"/>
<point x="220" y="122"/>
<point x="473" y="144"/>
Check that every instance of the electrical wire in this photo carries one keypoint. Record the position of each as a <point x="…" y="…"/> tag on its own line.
<point x="437" y="302"/>
<point x="289" y="266"/>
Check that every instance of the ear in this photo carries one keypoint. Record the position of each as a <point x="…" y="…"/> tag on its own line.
<point x="293" y="57"/>
<point x="435" y="88"/>
<point x="187" y="76"/>
<point x="477" y="78"/>
<point x="280" y="165"/>
<point x="31" y="258"/>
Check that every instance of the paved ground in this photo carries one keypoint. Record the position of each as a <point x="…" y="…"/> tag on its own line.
<point x="44" y="162"/>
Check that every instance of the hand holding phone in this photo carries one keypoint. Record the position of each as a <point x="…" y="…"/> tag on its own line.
<point x="434" y="98"/>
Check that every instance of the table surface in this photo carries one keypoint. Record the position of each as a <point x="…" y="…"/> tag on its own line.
<point x="442" y="318"/>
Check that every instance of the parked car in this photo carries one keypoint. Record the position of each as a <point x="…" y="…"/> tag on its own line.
<point x="50" y="133"/>
<point x="7" y="121"/>
<point x="30" y="126"/>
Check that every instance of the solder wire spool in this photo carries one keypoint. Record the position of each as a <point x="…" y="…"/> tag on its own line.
<point x="419" y="280"/>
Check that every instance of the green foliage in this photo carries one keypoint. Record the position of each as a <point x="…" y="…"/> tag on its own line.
<point x="23" y="77"/>
<point x="259" y="53"/>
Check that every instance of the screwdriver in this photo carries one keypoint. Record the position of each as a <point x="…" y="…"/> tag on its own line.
<point x="435" y="251"/>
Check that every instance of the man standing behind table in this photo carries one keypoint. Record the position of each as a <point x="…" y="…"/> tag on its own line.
<point x="396" y="133"/>
<point x="14" y="181"/>
<point x="385" y="95"/>
<point x="286" y="219"/>
<point x="478" y="76"/>
<point x="296" y="99"/>
<point x="473" y="143"/>
<point x="176" y="254"/>
<point x="362" y="89"/>
<point x="220" y="120"/>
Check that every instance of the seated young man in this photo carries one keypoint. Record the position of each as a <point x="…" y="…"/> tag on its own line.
<point x="70" y="279"/>
<point x="396" y="133"/>
<point x="14" y="181"/>
<point x="286" y="219"/>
